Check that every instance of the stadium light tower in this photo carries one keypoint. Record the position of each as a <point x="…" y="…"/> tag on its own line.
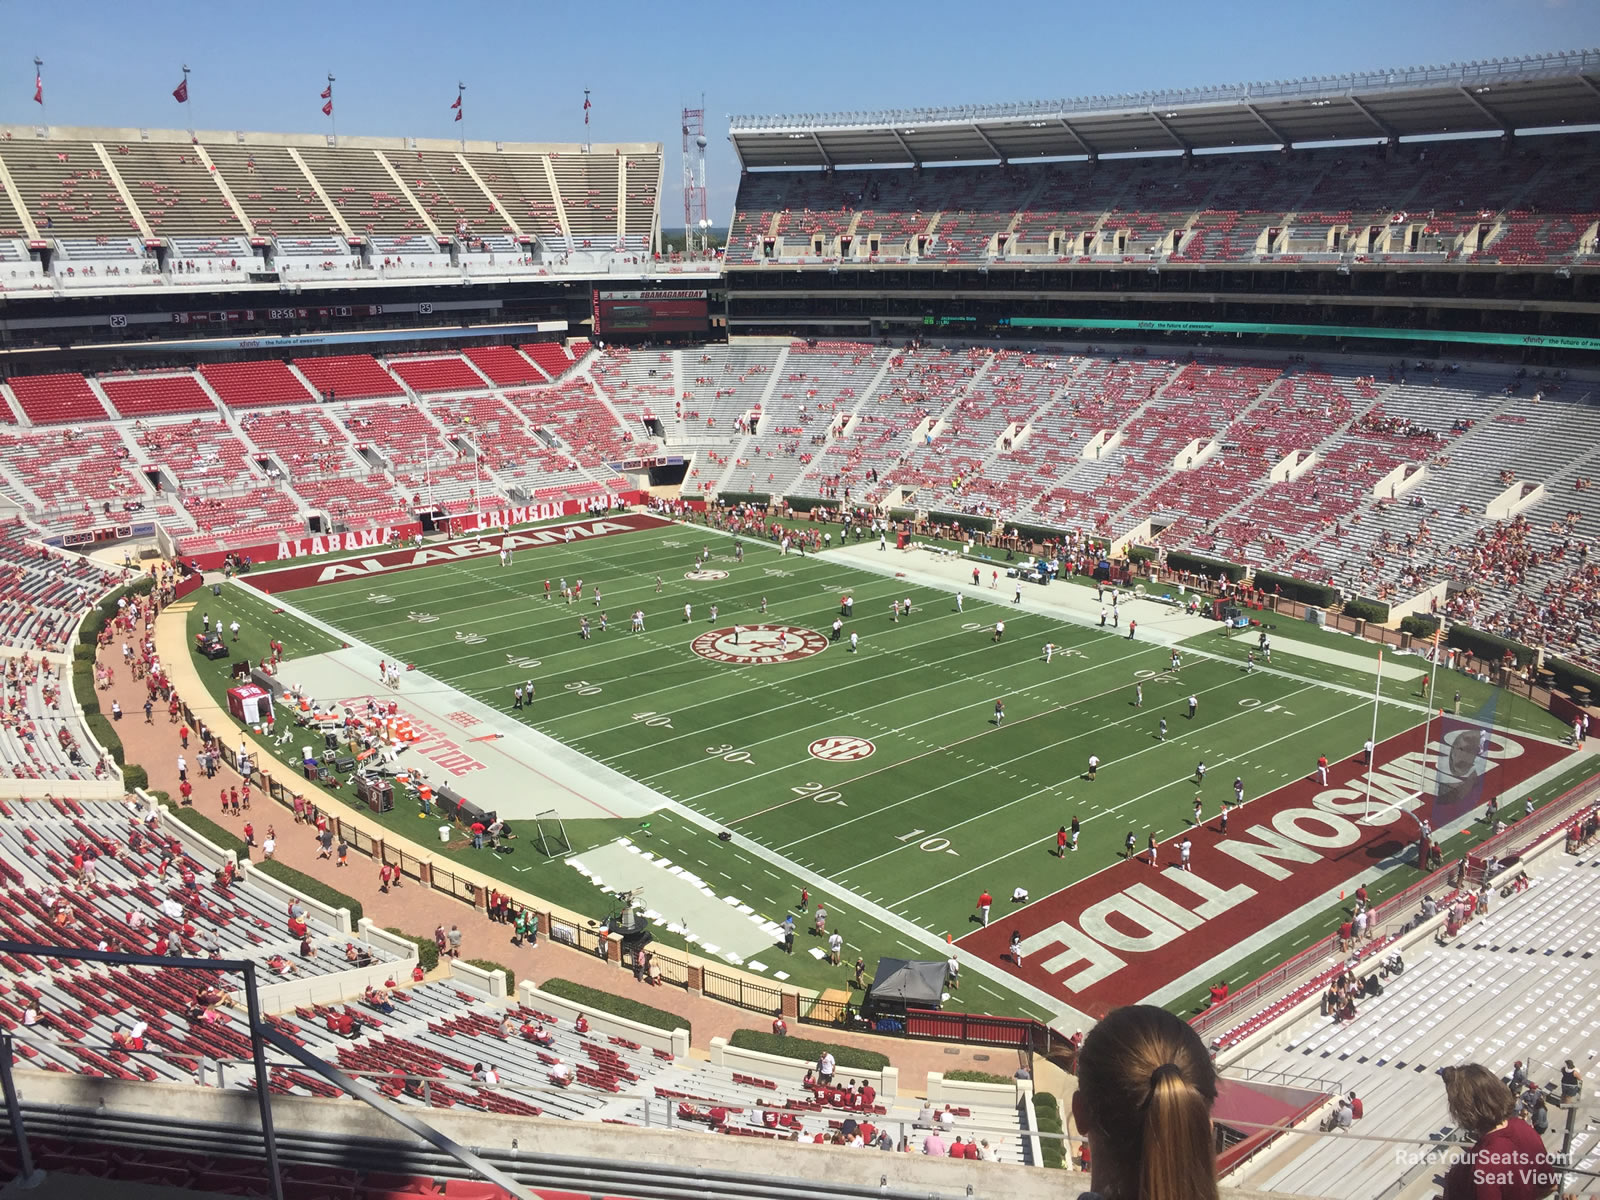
<point x="694" y="177"/>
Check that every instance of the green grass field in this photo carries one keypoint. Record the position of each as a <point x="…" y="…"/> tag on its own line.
<point x="948" y="804"/>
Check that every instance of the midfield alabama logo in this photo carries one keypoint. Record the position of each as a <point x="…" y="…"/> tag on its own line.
<point x="705" y="576"/>
<point x="841" y="749"/>
<point x="753" y="645"/>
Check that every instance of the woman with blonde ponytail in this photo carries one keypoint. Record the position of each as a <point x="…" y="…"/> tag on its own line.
<point x="1145" y="1090"/>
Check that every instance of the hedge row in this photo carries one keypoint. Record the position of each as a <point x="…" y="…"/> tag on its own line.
<point x="1048" y="1109"/>
<point x="1178" y="560"/>
<point x="207" y="828"/>
<point x="306" y="885"/>
<point x="1028" y="533"/>
<point x="804" y="504"/>
<point x="89" y="633"/>
<point x="1419" y="625"/>
<point x="849" y="1058"/>
<point x="133" y="775"/>
<point x="617" y="1006"/>
<point x="961" y="521"/>
<point x="1569" y="674"/>
<point x="974" y="1077"/>
<point x="1487" y="645"/>
<point x="1374" y="612"/>
<point x="1142" y="554"/>
<point x="486" y="964"/>
<point x="1302" y="591"/>
<point x="427" y="948"/>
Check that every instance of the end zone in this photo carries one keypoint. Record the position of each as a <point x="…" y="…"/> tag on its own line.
<point x="290" y="578"/>
<point x="1126" y="932"/>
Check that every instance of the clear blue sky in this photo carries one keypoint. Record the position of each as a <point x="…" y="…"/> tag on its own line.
<point x="260" y="66"/>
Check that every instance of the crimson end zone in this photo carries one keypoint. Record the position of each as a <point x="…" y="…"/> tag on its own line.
<point x="1130" y="930"/>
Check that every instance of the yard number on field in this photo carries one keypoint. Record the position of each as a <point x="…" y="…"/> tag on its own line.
<point x="584" y="688"/>
<point x="653" y="719"/>
<point x="728" y="754"/>
<point x="817" y="793"/>
<point x="931" y="845"/>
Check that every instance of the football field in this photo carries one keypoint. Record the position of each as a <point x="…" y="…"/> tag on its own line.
<point x="878" y="775"/>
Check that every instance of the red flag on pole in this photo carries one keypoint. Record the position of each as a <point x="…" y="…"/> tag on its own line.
<point x="181" y="92"/>
<point x="458" y="114"/>
<point x="38" y="89"/>
<point x="327" y="109"/>
<point x="586" y="107"/>
<point x="457" y="103"/>
<point x="327" y="92"/>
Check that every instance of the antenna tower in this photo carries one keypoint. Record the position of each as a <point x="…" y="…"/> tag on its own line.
<point x="696" y="225"/>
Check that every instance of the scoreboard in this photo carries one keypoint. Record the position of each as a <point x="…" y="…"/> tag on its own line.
<point x="651" y="310"/>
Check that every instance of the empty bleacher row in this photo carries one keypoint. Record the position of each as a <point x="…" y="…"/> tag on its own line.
<point x="1516" y="985"/>
<point x="1465" y="201"/>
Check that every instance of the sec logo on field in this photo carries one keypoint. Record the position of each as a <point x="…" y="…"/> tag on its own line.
<point x="753" y="645"/>
<point x="705" y="576"/>
<point x="841" y="749"/>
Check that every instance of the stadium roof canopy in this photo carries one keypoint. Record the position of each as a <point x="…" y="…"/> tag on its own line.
<point x="1496" y="95"/>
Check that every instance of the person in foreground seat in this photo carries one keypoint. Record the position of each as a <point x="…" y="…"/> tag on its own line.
<point x="1507" y="1159"/>
<point x="1145" y="1090"/>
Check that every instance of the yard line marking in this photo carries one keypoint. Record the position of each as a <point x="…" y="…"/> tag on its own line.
<point x="984" y="769"/>
<point x="1034" y="842"/>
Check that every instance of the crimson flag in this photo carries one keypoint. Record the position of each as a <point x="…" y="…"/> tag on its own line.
<point x="327" y="109"/>
<point x="38" y="89"/>
<point x="181" y="92"/>
<point x="458" y="114"/>
<point x="457" y="104"/>
<point x="327" y="92"/>
<point x="586" y="107"/>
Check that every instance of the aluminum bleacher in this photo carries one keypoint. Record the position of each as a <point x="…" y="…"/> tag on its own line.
<point x="305" y="443"/>
<point x="355" y="503"/>
<point x="78" y="478"/>
<point x="1517" y="984"/>
<point x="43" y="592"/>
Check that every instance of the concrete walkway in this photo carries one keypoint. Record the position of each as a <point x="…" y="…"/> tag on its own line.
<point x="418" y="910"/>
